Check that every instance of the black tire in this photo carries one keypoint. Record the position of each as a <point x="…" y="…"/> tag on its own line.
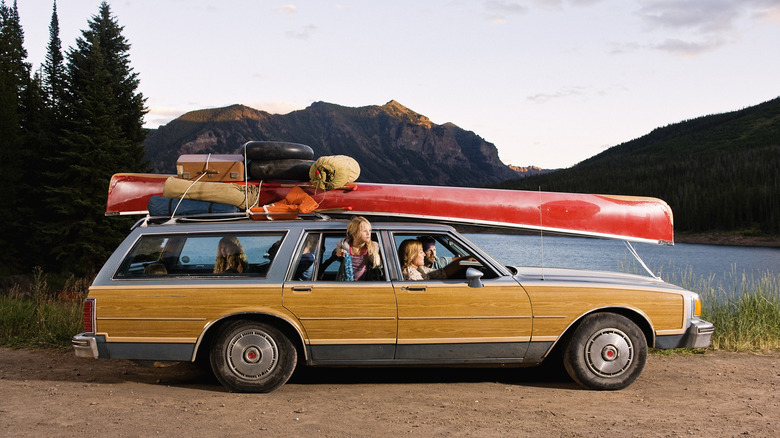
<point x="606" y="352"/>
<point x="292" y="170"/>
<point x="277" y="150"/>
<point x="249" y="356"/>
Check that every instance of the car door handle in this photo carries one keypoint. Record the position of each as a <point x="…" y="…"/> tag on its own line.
<point x="414" y="288"/>
<point x="301" y="288"/>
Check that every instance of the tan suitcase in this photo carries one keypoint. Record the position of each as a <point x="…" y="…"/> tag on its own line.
<point x="217" y="167"/>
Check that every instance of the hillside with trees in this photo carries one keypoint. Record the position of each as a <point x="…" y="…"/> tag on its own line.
<point x="719" y="173"/>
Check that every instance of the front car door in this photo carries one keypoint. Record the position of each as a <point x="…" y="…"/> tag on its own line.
<point x="446" y="320"/>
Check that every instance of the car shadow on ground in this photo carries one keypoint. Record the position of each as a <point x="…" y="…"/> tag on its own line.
<point x="192" y="376"/>
<point x="533" y="376"/>
<point x="200" y="376"/>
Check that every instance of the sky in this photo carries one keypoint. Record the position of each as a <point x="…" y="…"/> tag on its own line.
<point x="549" y="82"/>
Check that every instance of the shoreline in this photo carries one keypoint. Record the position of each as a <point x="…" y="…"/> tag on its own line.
<point x="728" y="240"/>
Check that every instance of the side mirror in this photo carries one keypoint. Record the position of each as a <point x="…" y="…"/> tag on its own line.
<point x="474" y="276"/>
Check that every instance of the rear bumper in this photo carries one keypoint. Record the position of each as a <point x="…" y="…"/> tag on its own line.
<point x="698" y="335"/>
<point x="85" y="345"/>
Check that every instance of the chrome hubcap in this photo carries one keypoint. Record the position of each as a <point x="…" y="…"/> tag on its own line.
<point x="609" y="352"/>
<point x="252" y="354"/>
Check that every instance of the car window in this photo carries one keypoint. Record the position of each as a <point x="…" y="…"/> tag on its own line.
<point x="212" y="255"/>
<point x="315" y="259"/>
<point x="307" y="257"/>
<point x="448" y="251"/>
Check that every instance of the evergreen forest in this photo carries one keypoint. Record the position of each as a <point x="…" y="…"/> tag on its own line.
<point x="66" y="128"/>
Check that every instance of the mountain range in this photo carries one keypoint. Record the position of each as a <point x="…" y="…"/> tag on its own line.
<point x="392" y="143"/>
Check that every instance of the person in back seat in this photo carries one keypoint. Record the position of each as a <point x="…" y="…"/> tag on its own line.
<point x="231" y="257"/>
<point x="358" y="254"/>
<point x="155" y="268"/>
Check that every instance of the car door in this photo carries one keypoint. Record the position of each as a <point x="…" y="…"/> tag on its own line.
<point x="344" y="321"/>
<point x="447" y="320"/>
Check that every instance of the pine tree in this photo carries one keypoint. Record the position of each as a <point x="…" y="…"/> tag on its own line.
<point x="54" y="67"/>
<point x="42" y="142"/>
<point x="103" y="135"/>
<point x="14" y="81"/>
<point x="105" y="31"/>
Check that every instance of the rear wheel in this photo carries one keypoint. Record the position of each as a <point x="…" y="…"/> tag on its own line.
<point x="249" y="356"/>
<point x="606" y="352"/>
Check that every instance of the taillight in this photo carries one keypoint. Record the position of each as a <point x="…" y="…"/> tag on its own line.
<point x="89" y="315"/>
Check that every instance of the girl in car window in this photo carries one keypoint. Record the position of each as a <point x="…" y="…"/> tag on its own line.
<point x="359" y="255"/>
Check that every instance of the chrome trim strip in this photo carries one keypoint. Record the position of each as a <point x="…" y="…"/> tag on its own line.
<point x="116" y="318"/>
<point x="427" y="318"/>
<point x="347" y="318"/>
<point x="481" y="340"/>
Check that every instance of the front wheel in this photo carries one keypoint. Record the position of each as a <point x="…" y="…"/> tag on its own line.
<point x="606" y="352"/>
<point x="249" y="356"/>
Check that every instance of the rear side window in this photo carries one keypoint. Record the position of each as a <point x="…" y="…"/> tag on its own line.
<point x="316" y="261"/>
<point x="212" y="255"/>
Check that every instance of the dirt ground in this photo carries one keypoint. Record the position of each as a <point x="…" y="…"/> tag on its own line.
<point x="53" y="393"/>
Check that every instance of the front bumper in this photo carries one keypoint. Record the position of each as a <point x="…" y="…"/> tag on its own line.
<point x="698" y="335"/>
<point x="85" y="345"/>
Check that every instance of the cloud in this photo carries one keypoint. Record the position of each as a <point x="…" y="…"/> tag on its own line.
<point x="577" y="91"/>
<point x="675" y="46"/>
<point x="288" y="10"/>
<point x="688" y="48"/>
<point x="303" y="34"/>
<point x="704" y="16"/>
<point x="559" y="4"/>
<point x="567" y="92"/>
<point x="498" y="11"/>
<point x="694" y="27"/>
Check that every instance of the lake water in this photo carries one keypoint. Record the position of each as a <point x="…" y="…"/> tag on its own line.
<point x="723" y="264"/>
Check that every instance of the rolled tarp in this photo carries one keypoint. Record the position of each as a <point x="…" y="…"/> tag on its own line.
<point x="240" y="195"/>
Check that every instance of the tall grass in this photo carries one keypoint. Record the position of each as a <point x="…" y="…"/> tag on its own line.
<point x="35" y="316"/>
<point x="745" y="309"/>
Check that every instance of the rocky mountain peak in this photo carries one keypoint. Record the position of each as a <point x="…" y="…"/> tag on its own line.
<point x="227" y="114"/>
<point x="402" y="113"/>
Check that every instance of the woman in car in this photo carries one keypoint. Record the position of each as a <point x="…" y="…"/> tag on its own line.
<point x="231" y="257"/>
<point x="412" y="258"/>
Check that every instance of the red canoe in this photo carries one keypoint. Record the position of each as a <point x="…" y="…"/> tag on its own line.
<point x="631" y="218"/>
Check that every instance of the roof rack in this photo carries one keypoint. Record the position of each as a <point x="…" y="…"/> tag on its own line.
<point x="222" y="217"/>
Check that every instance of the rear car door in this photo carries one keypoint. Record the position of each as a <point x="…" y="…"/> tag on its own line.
<point x="344" y="321"/>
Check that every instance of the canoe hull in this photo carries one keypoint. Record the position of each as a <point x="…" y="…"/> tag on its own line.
<point x="631" y="218"/>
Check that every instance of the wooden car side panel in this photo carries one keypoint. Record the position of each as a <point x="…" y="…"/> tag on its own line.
<point x="177" y="313"/>
<point x="557" y="306"/>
